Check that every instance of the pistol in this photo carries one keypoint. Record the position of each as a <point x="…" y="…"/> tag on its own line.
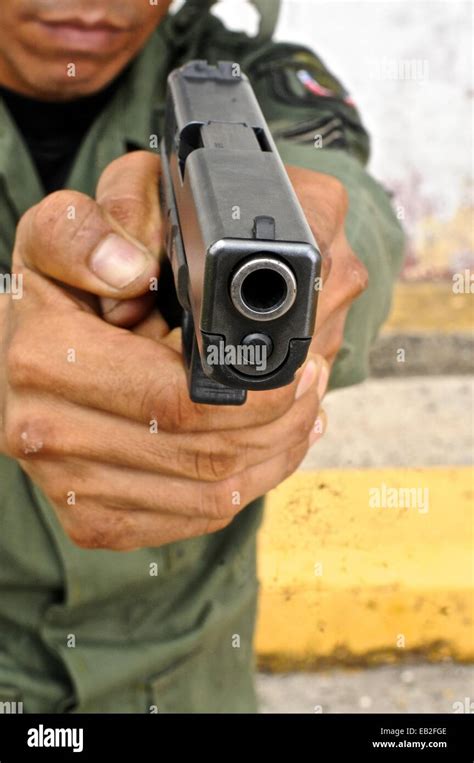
<point x="242" y="261"/>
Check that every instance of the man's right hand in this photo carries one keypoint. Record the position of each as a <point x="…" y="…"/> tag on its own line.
<point x="99" y="415"/>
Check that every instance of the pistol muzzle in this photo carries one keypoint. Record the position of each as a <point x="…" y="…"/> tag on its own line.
<point x="263" y="288"/>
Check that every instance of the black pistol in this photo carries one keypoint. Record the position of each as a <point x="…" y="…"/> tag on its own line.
<point x="245" y="264"/>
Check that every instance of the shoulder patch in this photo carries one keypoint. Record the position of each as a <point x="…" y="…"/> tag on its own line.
<point x="312" y="84"/>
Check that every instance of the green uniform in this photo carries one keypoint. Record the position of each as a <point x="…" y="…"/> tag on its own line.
<point x="98" y="631"/>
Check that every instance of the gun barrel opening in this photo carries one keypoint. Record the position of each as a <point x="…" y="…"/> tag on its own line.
<point x="263" y="288"/>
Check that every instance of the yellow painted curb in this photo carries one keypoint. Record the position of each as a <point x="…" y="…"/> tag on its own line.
<point x="343" y="582"/>
<point x="432" y="306"/>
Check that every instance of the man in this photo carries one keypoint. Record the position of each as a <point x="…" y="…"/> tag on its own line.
<point x="102" y="451"/>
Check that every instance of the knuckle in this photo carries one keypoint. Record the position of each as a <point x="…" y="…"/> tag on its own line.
<point x="126" y="209"/>
<point x="114" y="533"/>
<point x="28" y="355"/>
<point x="52" y="211"/>
<point x="214" y="465"/>
<point x="218" y="500"/>
<point x="157" y="399"/>
<point x="24" y="435"/>
<point x="357" y="271"/>
<point x="362" y="274"/>
<point x="83" y="537"/>
<point x="18" y="365"/>
<point x="214" y="525"/>
<point x="52" y="484"/>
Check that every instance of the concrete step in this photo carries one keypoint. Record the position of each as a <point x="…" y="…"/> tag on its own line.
<point x="418" y="421"/>
<point x="367" y="566"/>
<point x="445" y="688"/>
<point x="430" y="330"/>
<point x="366" y="553"/>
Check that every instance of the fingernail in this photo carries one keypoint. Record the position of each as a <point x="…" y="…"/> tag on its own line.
<point x="323" y="380"/>
<point x="117" y="262"/>
<point x="307" y="378"/>
<point x="319" y="428"/>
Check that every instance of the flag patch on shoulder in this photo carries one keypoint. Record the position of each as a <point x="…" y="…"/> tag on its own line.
<point x="311" y="84"/>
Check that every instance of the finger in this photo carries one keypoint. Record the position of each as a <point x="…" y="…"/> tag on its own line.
<point x="207" y="456"/>
<point x="67" y="237"/>
<point x="131" y="376"/>
<point x="128" y="191"/>
<point x="216" y="501"/>
<point x="123" y="530"/>
<point x="161" y="495"/>
<point x="154" y="327"/>
<point x="347" y="279"/>
<point x="324" y="201"/>
<point x="174" y="340"/>
<point x="108" y="249"/>
<point x="128" y="312"/>
<point x="329" y="337"/>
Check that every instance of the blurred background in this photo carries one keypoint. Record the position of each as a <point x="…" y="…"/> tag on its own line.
<point x="367" y="609"/>
<point x="408" y="65"/>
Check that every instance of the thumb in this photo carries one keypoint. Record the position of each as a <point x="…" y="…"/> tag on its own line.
<point x="128" y="193"/>
<point x="94" y="247"/>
